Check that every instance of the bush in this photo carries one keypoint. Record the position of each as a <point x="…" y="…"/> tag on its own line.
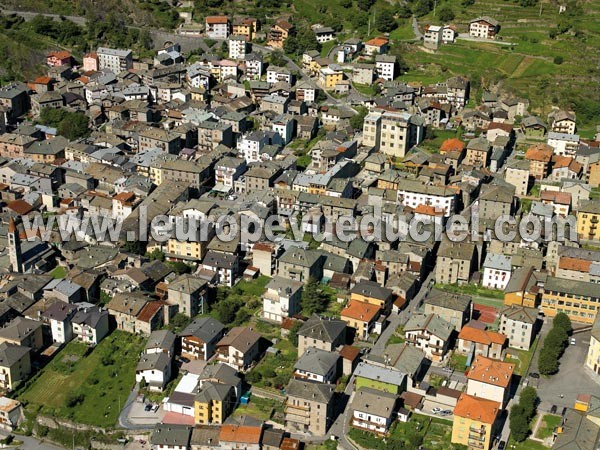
<point x="558" y="60"/>
<point x="446" y="14"/>
<point x="74" y="399"/>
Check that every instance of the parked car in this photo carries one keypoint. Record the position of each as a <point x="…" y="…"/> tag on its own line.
<point x="436" y="410"/>
<point x="573" y="341"/>
<point x="155" y="407"/>
<point x="445" y="412"/>
<point x="553" y="409"/>
<point x="501" y="445"/>
<point x="148" y="407"/>
<point x="534" y="375"/>
<point x="564" y="411"/>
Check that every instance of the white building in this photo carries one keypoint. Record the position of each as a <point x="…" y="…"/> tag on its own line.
<point x="563" y="144"/>
<point x="497" y="270"/>
<point x="155" y="369"/>
<point x="448" y="34"/>
<point x="284" y="126"/>
<point x="414" y="193"/>
<point x="251" y="145"/>
<point x="59" y="316"/>
<point x="430" y="333"/>
<point x="483" y="28"/>
<point x="386" y="67"/>
<point x="305" y="91"/>
<point x="276" y="74"/>
<point x="373" y="410"/>
<point x="90" y="324"/>
<point x="254" y="66"/>
<point x="318" y="366"/>
<point x="229" y="169"/>
<point x="433" y="36"/>
<point x="281" y="298"/>
<point x="238" y="47"/>
<point x="324" y="34"/>
<point x="116" y="60"/>
<point x="217" y="27"/>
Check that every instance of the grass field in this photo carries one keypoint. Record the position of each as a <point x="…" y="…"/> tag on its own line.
<point x="527" y="444"/>
<point x="520" y="358"/>
<point x="546" y="428"/>
<point x="59" y="272"/>
<point x="85" y="385"/>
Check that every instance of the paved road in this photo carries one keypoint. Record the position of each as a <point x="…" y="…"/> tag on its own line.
<point x="31" y="443"/>
<point x="416" y="30"/>
<point x="466" y="37"/>
<point x="124" y="421"/>
<point x="30" y="15"/>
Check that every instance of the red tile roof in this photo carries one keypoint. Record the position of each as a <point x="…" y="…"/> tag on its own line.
<point x="360" y="311"/>
<point x="240" y="433"/>
<point x="477" y="408"/>
<point x="217" y="19"/>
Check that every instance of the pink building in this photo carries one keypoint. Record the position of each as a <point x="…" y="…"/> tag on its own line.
<point x="90" y="62"/>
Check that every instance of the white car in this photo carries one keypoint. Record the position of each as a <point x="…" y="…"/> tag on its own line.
<point x="573" y="341"/>
<point x="436" y="410"/>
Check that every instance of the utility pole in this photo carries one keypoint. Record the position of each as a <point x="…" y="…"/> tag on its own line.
<point x="541" y="6"/>
<point x="434" y="7"/>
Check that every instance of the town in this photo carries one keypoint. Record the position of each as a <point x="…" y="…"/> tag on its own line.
<point x="147" y="338"/>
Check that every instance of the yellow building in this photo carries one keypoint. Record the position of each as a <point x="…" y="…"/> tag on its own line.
<point x="192" y="251"/>
<point x="213" y="403"/>
<point x="474" y="422"/>
<point x="577" y="299"/>
<point x="245" y="27"/>
<point x="593" y="357"/>
<point x="523" y="289"/>
<point x="329" y="77"/>
<point x="588" y="217"/>
<point x="372" y="293"/>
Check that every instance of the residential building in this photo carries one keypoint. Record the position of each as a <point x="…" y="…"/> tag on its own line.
<point x="189" y="293"/>
<point x="154" y="370"/>
<point x="216" y="27"/>
<point x="588" y="217"/>
<point x="484" y="27"/>
<point x="277" y="74"/>
<point x="381" y="378"/>
<point x="592" y="360"/>
<point x="476" y="341"/>
<point x="161" y="341"/>
<point x="455" y="262"/>
<point x="59" y="317"/>
<point x="430" y="333"/>
<point x="524" y="288"/>
<point x="497" y="269"/>
<point x="496" y="200"/>
<point x="239" y="348"/>
<point x="373" y="410"/>
<point x="564" y="122"/>
<point x="279" y="33"/>
<point x="24" y="332"/>
<point x="167" y="141"/>
<point x="90" y="325"/>
<point x="213" y="403"/>
<point x="517" y="173"/>
<point x="433" y="36"/>
<point x="453" y="308"/>
<point x="377" y="46"/>
<point x="318" y="366"/>
<point x="393" y="132"/>
<point x="563" y="144"/>
<point x="281" y="299"/>
<point x="301" y="264"/>
<point x="15" y="365"/>
<point x="520" y="324"/>
<point x="246" y="435"/>
<point x="577" y="299"/>
<point x="361" y="316"/>
<point x="490" y="379"/>
<point x="308" y="407"/>
<point x="224" y="265"/>
<point x="372" y="293"/>
<point x="238" y="46"/>
<point x="579" y="427"/>
<point x="11" y="413"/>
<point x="385" y="66"/>
<point x="199" y="339"/>
<point x="478" y="152"/>
<point x="168" y="436"/>
<point x="475" y="422"/>
<point x="539" y="157"/>
<point x="246" y="27"/>
<point x="324" y="34"/>
<point x="116" y="60"/>
<point x="322" y="333"/>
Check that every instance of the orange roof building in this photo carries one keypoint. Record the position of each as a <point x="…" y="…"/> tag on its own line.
<point x="377" y="42"/>
<point x="452" y="145"/>
<point x="482" y="410"/>
<point x="360" y="316"/>
<point x="213" y="20"/>
<point x="475" y="422"/>
<point x="539" y="152"/>
<point x="240" y="434"/>
<point x="490" y="378"/>
<point x="487" y="343"/>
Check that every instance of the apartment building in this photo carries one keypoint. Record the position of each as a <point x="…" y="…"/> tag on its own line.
<point x="455" y="263"/>
<point x="386" y="67"/>
<point x="279" y="33"/>
<point x="588" y="217"/>
<point x="475" y="422"/>
<point x="490" y="379"/>
<point x="373" y="410"/>
<point x="116" y="60"/>
<point x="281" y="299"/>
<point x="520" y="325"/>
<point x="415" y="193"/>
<point x="211" y="134"/>
<point x="453" y="308"/>
<point x="322" y="333"/>
<point x="217" y="27"/>
<point x="484" y="27"/>
<point x="577" y="299"/>
<point x="238" y="47"/>
<point x="592" y="360"/>
<point x="239" y="348"/>
<point x="430" y="333"/>
<point x="308" y="407"/>
<point x="167" y="141"/>
<point x="394" y="133"/>
<point x="539" y="157"/>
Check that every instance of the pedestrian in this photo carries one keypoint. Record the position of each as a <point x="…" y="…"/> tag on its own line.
<point x="562" y="395"/>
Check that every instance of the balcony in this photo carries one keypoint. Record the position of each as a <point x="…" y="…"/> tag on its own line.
<point x="477" y="430"/>
<point x="476" y="437"/>
<point x="476" y="444"/>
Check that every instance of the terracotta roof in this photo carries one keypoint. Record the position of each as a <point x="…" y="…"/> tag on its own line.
<point x="149" y="311"/>
<point x="349" y="352"/>
<point x="264" y="247"/>
<point x="491" y="371"/>
<point x="481" y="336"/>
<point x="60" y="54"/>
<point x="559" y="162"/>
<point x="411" y="399"/>
<point x="284" y="24"/>
<point x="500" y="126"/>
<point x="429" y="210"/>
<point x="477" y="408"/>
<point x="539" y="152"/>
<point x="360" y="311"/>
<point x="91" y="55"/>
<point x="560" y="198"/>
<point x="124" y="197"/>
<point x="237" y="433"/>
<point x="43" y="80"/>
<point x="21" y="207"/>
<point x="217" y="19"/>
<point x="579" y="265"/>
<point x="378" y="42"/>
<point x="289" y="444"/>
<point x="452" y="145"/>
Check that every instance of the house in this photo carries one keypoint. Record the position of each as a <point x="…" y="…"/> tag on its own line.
<point x="453" y="308"/>
<point x="559" y="201"/>
<point x="449" y="34"/>
<point x="475" y="422"/>
<point x="126" y="308"/>
<point x="563" y="122"/>
<point x="59" y="317"/>
<point x="478" y="152"/>
<point x="170" y="437"/>
<point x="361" y="316"/>
<point x="301" y="264"/>
<point x="279" y="33"/>
<point x="330" y="76"/>
<point x="224" y="265"/>
<point x="484" y="28"/>
<point x="559" y="294"/>
<point x="539" y="157"/>
<point x="324" y="34"/>
<point x="376" y="46"/>
<point x="430" y="333"/>
<point x="239" y="348"/>
<point x="373" y="410"/>
<point x="11" y="413"/>
<point x="455" y="262"/>
<point x="588" y="216"/>
<point x="497" y="269"/>
<point x="486" y="343"/>
<point x="154" y="370"/>
<point x="200" y="337"/>
<point x="385" y="379"/>
<point x="220" y="373"/>
<point x="385" y="66"/>
<point x="517" y="173"/>
<point x="490" y="379"/>
<point x="533" y="127"/>
<point x="15" y="365"/>
<point x="524" y="288"/>
<point x="189" y="293"/>
<point x="372" y="293"/>
<point x="59" y="58"/>
<point x="308" y="407"/>
<point x="238" y="46"/>
<point x="405" y="359"/>
<point x="322" y="333"/>
<point x="90" y="324"/>
<point x="281" y="299"/>
<point x="116" y="60"/>
<point x="496" y="200"/>
<point x="563" y="144"/>
<point x="246" y="27"/>
<point x="245" y="437"/>
<point x="213" y="403"/>
<point x="216" y="27"/>
<point x="433" y="36"/>
<point x="520" y="324"/>
<point x="592" y="360"/>
<point x="24" y="332"/>
<point x="205" y="437"/>
<point x="564" y="167"/>
<point x="317" y="365"/>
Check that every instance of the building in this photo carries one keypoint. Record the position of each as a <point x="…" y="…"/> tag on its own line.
<point x="453" y="308"/>
<point x="246" y="27"/>
<point x="486" y="343"/>
<point x="167" y="141"/>
<point x="170" y="437"/>
<point x="154" y="370"/>
<point x="322" y="333"/>
<point x="189" y="293"/>
<point x="279" y="33"/>
<point x="377" y="46"/>
<point x="199" y="339"/>
<point x="433" y="36"/>
<point x="24" y="332"/>
<point x="394" y="133"/>
<point x="238" y="47"/>
<point x="308" y="407"/>
<point x="239" y="348"/>
<point x="484" y="28"/>
<point x="372" y="293"/>
<point x="116" y="60"/>
<point x="361" y="316"/>
<point x="455" y="262"/>
<point x="11" y="413"/>
<point x="520" y="325"/>
<point x="588" y="217"/>
<point x="430" y="333"/>
<point x="216" y="27"/>
<point x="517" y="173"/>
<point x="318" y="366"/>
<point x="524" y="288"/>
<point x="213" y="403"/>
<point x="386" y="67"/>
<point x="490" y="379"/>
<point x="324" y="34"/>
<point x="478" y="152"/>
<point x="246" y="435"/>
<point x="474" y="423"/>
<point x="579" y="428"/>
<point x="281" y="299"/>
<point x="564" y="122"/>
<point x="90" y="325"/>
<point x="373" y="410"/>
<point x="577" y="299"/>
<point x="497" y="269"/>
<point x="381" y="378"/>
<point x="15" y="365"/>
<point x="539" y="157"/>
<point x="592" y="360"/>
<point x="59" y="317"/>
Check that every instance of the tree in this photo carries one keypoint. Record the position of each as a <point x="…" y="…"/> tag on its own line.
<point x="403" y="10"/>
<point x="558" y="60"/>
<point x="313" y="300"/>
<point x="528" y="3"/>
<point x="179" y="267"/>
<point x="385" y="21"/>
<point x="519" y="426"/>
<point x="293" y="334"/>
<point x="365" y="5"/>
<point x="346" y="4"/>
<point x="357" y="120"/>
<point x="155" y="255"/>
<point x="528" y="401"/>
<point x="561" y="320"/>
<point x="422" y="7"/>
<point x="446" y="14"/>
<point x="278" y="58"/>
<point x="227" y="309"/>
<point x="547" y="362"/>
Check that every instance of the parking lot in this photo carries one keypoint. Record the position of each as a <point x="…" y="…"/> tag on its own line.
<point x="139" y="416"/>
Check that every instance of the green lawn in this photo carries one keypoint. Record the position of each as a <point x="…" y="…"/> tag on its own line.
<point x="100" y="377"/>
<point x="275" y="371"/>
<point x="260" y="408"/>
<point x="528" y="444"/>
<point x="458" y="362"/>
<point x="520" y="358"/>
<point x="404" y="32"/>
<point x="253" y="288"/>
<point x="471" y="289"/>
<point x="59" y="272"/>
<point x="546" y="428"/>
